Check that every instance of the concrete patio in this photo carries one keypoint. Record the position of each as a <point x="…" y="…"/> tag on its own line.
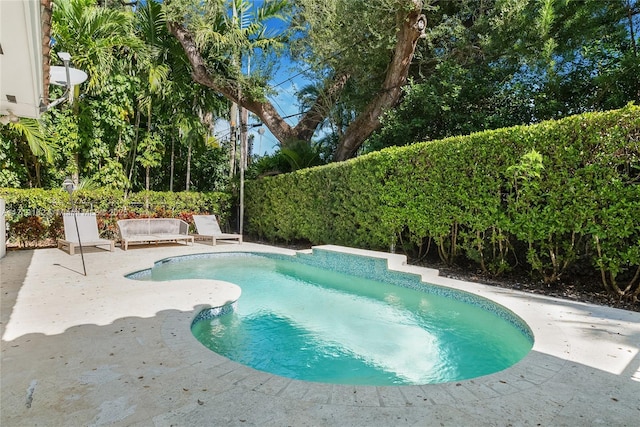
<point x="105" y="350"/>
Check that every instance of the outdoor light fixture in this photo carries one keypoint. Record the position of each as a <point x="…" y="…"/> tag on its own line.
<point x="64" y="76"/>
<point x="69" y="186"/>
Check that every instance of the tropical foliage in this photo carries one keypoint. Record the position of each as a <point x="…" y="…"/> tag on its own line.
<point x="139" y="120"/>
<point x="481" y="65"/>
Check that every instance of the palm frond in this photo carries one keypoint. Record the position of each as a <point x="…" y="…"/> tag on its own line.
<point x="158" y="75"/>
<point x="32" y="131"/>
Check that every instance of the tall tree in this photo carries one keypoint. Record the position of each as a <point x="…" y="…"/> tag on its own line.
<point x="151" y="67"/>
<point x="205" y="34"/>
<point x="150" y="155"/>
<point x="500" y="63"/>
<point x="169" y="97"/>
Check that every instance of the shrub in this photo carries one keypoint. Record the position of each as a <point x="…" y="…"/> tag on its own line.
<point x="33" y="215"/>
<point x="29" y="230"/>
<point x="544" y="197"/>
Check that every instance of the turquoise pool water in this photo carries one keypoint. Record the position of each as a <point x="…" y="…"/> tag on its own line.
<point x="309" y="323"/>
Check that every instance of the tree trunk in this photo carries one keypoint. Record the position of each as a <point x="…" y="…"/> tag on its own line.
<point x="27" y="168"/>
<point x="172" y="163"/>
<point x="233" y="140"/>
<point x="38" y="174"/>
<point x="244" y="121"/>
<point x="188" y="166"/>
<point x="281" y="130"/>
<point x="134" y="147"/>
<point x="630" y="13"/>
<point x="76" y="168"/>
<point x="263" y="109"/>
<point x="409" y="31"/>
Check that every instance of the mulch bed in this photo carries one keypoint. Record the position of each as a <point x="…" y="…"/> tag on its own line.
<point x="583" y="289"/>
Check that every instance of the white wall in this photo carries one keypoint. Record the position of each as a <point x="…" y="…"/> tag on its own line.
<point x="3" y="243"/>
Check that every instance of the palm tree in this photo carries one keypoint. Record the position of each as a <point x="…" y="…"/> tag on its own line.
<point x="96" y="37"/>
<point x="337" y="116"/>
<point x="168" y="94"/>
<point x="151" y="68"/>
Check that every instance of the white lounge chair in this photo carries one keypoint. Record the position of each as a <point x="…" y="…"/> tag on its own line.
<point x="88" y="230"/>
<point x="207" y="227"/>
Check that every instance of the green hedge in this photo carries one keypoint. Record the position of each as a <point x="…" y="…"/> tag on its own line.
<point x="33" y="215"/>
<point x="549" y="197"/>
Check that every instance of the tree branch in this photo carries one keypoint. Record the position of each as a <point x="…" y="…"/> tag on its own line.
<point x="306" y="127"/>
<point x="410" y="25"/>
<point x="264" y="110"/>
<point x="369" y="120"/>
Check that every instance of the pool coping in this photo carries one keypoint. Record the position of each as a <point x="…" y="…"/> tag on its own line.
<point x="584" y="360"/>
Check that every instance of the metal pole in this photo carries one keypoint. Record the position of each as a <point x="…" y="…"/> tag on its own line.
<point x="69" y="186"/>
<point x="75" y="219"/>
<point x="243" y="151"/>
<point x="261" y="132"/>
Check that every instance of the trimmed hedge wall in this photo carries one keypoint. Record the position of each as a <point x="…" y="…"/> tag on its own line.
<point x="34" y="215"/>
<point x="549" y="197"/>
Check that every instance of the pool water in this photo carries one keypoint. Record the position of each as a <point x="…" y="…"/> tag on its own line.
<point x="308" y="323"/>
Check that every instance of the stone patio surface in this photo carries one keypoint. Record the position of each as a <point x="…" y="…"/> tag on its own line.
<point x="103" y="350"/>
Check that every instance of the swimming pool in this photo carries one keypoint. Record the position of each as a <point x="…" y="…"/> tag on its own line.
<point x="311" y="317"/>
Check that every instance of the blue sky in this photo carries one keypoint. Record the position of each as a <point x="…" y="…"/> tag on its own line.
<point x="285" y="102"/>
<point x="286" y="82"/>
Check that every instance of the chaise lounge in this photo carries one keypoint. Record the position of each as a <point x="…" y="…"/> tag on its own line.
<point x="207" y="227"/>
<point x="87" y="228"/>
<point x="153" y="230"/>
